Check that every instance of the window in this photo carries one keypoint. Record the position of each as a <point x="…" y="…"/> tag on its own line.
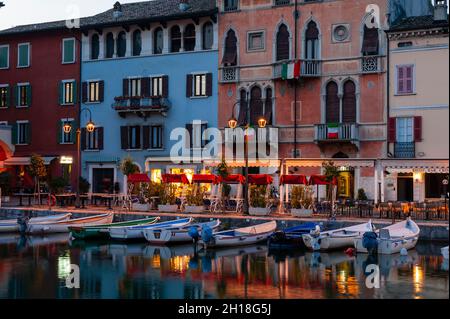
<point x="66" y="138"/>
<point x="370" y="44"/>
<point x="121" y="44"/>
<point x="94" y="92"/>
<point x="332" y="104"/>
<point x="156" y="175"/>
<point x="349" y="103"/>
<point x="230" y="5"/>
<point x="405" y="44"/>
<point x="68" y="51"/>
<point x="158" y="41"/>
<point x="405" y="130"/>
<point x="175" y="39"/>
<point x="208" y="36"/>
<point x="92" y="141"/>
<point x="196" y="131"/>
<point x="23" y="95"/>
<point x="312" y="41"/>
<point x="283" y="43"/>
<point x="256" y="105"/>
<point x="68" y="93"/>
<point x="22" y="131"/>
<point x="109" y="46"/>
<point x="131" y="137"/>
<point x="135" y="87"/>
<point x="153" y="137"/>
<point x="23" y="55"/>
<point x="189" y="38"/>
<point x="230" y="55"/>
<point x="4" y="96"/>
<point x="268" y="108"/>
<point x="434" y="188"/>
<point x="95" y="47"/>
<point x="255" y="41"/>
<point x="4" y="56"/>
<point x="199" y="85"/>
<point x="137" y="43"/>
<point x="405" y="79"/>
<point x="157" y="86"/>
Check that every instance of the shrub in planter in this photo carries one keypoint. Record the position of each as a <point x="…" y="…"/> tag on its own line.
<point x="258" y="201"/>
<point x="301" y="201"/>
<point x="57" y="185"/>
<point x="194" y="200"/>
<point x="84" y="186"/>
<point x="168" y="199"/>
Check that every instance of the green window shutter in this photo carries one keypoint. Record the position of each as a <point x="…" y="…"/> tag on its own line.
<point x="68" y="51"/>
<point x="29" y="95"/>
<point x="23" y="55"/>
<point x="14" y="133"/>
<point x="16" y="95"/>
<point x="59" y="132"/>
<point x="8" y="96"/>
<point x="75" y="92"/>
<point x="28" y="137"/>
<point x="73" y="132"/>
<point x="3" y="57"/>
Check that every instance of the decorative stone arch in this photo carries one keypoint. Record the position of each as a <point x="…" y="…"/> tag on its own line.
<point x="224" y="38"/>
<point x="323" y="94"/>
<point x="274" y="40"/>
<point x="303" y="34"/>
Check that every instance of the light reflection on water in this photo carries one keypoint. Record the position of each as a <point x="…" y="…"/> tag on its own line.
<point x="36" y="267"/>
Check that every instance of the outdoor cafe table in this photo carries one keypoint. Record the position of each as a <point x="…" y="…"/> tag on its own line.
<point x="29" y="196"/>
<point x="106" y="197"/>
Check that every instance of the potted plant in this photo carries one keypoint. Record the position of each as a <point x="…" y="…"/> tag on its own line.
<point x="195" y="200"/>
<point x="168" y="199"/>
<point x="57" y="185"/>
<point x="301" y="201"/>
<point x="258" y="201"/>
<point x="37" y="170"/>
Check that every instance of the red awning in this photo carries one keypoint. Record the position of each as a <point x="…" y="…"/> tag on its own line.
<point x="293" y="180"/>
<point x="260" y="179"/>
<point x="234" y="179"/>
<point x="138" y="178"/>
<point x="205" y="179"/>
<point x="320" y="180"/>
<point x="175" y="178"/>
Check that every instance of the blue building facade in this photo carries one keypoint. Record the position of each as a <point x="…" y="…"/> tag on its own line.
<point x="142" y="78"/>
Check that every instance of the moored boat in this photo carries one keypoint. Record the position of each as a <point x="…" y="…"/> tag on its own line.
<point x="240" y="236"/>
<point x="102" y="231"/>
<point x="178" y="234"/>
<point x="335" y="239"/>
<point x="136" y="232"/>
<point x="13" y="226"/>
<point x="63" y="226"/>
<point x="444" y="252"/>
<point x="290" y="238"/>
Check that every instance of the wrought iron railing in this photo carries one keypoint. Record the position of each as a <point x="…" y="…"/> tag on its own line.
<point x="230" y="74"/>
<point x="370" y="64"/>
<point x="343" y="132"/>
<point x="308" y="68"/>
<point x="140" y="103"/>
<point x="405" y="150"/>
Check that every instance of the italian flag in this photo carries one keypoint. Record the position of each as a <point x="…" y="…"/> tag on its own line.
<point x="290" y="71"/>
<point x="333" y="131"/>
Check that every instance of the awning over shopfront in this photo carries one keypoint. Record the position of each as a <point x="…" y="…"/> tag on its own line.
<point x="138" y="178"/>
<point x="260" y="179"/>
<point x="318" y="162"/>
<point x="205" y="179"/>
<point x="19" y="161"/>
<point x="234" y="179"/>
<point x="438" y="166"/>
<point x="293" y="180"/>
<point x="175" y="178"/>
<point x="241" y="163"/>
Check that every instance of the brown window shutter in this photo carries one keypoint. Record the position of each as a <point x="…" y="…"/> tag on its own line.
<point x="138" y="137"/>
<point x="349" y="103"/>
<point x="242" y="118"/>
<point x="189" y="128"/>
<point x="126" y="83"/>
<point x="165" y="86"/>
<point x="100" y="138"/>
<point x="146" y="137"/>
<point x="256" y="105"/>
<point x="392" y="130"/>
<point x="209" y="83"/>
<point x="145" y="87"/>
<point x="189" y="79"/>
<point x="268" y="107"/>
<point x="332" y="104"/>
<point x="370" y="42"/>
<point x="283" y="43"/>
<point x="84" y="92"/>
<point x="417" y="128"/>
<point x="101" y="91"/>
<point x="83" y="139"/>
<point x="230" y="55"/>
<point x="124" y="137"/>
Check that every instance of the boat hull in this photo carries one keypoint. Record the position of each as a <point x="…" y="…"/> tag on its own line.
<point x="11" y="226"/>
<point x="322" y="243"/>
<point x="244" y="240"/>
<point x="64" y="227"/>
<point x="394" y="246"/>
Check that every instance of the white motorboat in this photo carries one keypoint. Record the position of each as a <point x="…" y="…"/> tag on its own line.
<point x="137" y="232"/>
<point x="336" y="239"/>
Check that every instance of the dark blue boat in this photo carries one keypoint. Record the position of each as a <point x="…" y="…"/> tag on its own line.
<point x="290" y="238"/>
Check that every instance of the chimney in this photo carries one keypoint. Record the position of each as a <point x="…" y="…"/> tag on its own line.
<point x="440" y="10"/>
<point x="117" y="13"/>
<point x="184" y="5"/>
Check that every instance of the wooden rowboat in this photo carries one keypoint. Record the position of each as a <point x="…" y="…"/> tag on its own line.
<point x="102" y="231"/>
<point x="136" y="232"/>
<point x="12" y="225"/>
<point x="240" y="236"/>
<point x="63" y="226"/>
<point x="162" y="236"/>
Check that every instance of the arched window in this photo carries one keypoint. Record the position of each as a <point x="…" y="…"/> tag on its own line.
<point x="95" y="47"/>
<point x="137" y="43"/>
<point x="109" y="46"/>
<point x="349" y="102"/>
<point x="158" y="41"/>
<point x="189" y="38"/>
<point x="268" y="106"/>
<point x="371" y="41"/>
<point x="175" y="39"/>
<point x="312" y="41"/>
<point x="283" y="43"/>
<point x="208" y="36"/>
<point x="332" y="103"/>
<point x="121" y="44"/>
<point x="256" y="105"/>
<point x="242" y="107"/>
<point x="230" y="55"/>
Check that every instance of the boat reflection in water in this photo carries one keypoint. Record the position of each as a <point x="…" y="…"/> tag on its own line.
<point x="36" y="267"/>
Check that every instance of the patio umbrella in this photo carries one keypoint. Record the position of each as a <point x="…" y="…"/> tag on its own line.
<point x="260" y="179"/>
<point x="233" y="179"/>
<point x="138" y="178"/>
<point x="175" y="178"/>
<point x="205" y="179"/>
<point x="290" y="180"/>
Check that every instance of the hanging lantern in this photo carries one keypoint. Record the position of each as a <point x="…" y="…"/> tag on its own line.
<point x="232" y="123"/>
<point x="262" y="122"/>
<point x="67" y="128"/>
<point x="90" y="127"/>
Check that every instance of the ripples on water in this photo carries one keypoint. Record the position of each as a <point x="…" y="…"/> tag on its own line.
<point x="36" y="267"/>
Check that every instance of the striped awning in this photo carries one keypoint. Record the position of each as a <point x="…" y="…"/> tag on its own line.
<point x="241" y="163"/>
<point x="416" y="165"/>
<point x="341" y="162"/>
<point x="18" y="161"/>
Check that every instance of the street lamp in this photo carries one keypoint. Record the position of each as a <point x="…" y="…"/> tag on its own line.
<point x="233" y="123"/>
<point x="90" y="127"/>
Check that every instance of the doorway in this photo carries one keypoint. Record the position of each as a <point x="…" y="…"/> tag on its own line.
<point x="103" y="180"/>
<point x="405" y="187"/>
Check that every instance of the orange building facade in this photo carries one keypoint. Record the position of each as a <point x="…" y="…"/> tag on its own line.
<point x="319" y="78"/>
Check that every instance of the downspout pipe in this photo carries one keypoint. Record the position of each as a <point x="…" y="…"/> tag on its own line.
<point x="296" y="17"/>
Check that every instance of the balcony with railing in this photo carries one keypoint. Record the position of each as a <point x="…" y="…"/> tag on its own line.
<point x="371" y="64"/>
<point x="308" y="69"/>
<point x="340" y="133"/>
<point x="141" y="106"/>
<point x="282" y="2"/>
<point x="405" y="150"/>
<point x="230" y="74"/>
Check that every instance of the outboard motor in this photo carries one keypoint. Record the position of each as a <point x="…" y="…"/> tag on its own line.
<point x="23" y="224"/>
<point x="193" y="232"/>
<point x="370" y="242"/>
<point x="207" y="234"/>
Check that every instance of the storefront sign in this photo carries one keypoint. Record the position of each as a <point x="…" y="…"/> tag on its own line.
<point x="66" y="160"/>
